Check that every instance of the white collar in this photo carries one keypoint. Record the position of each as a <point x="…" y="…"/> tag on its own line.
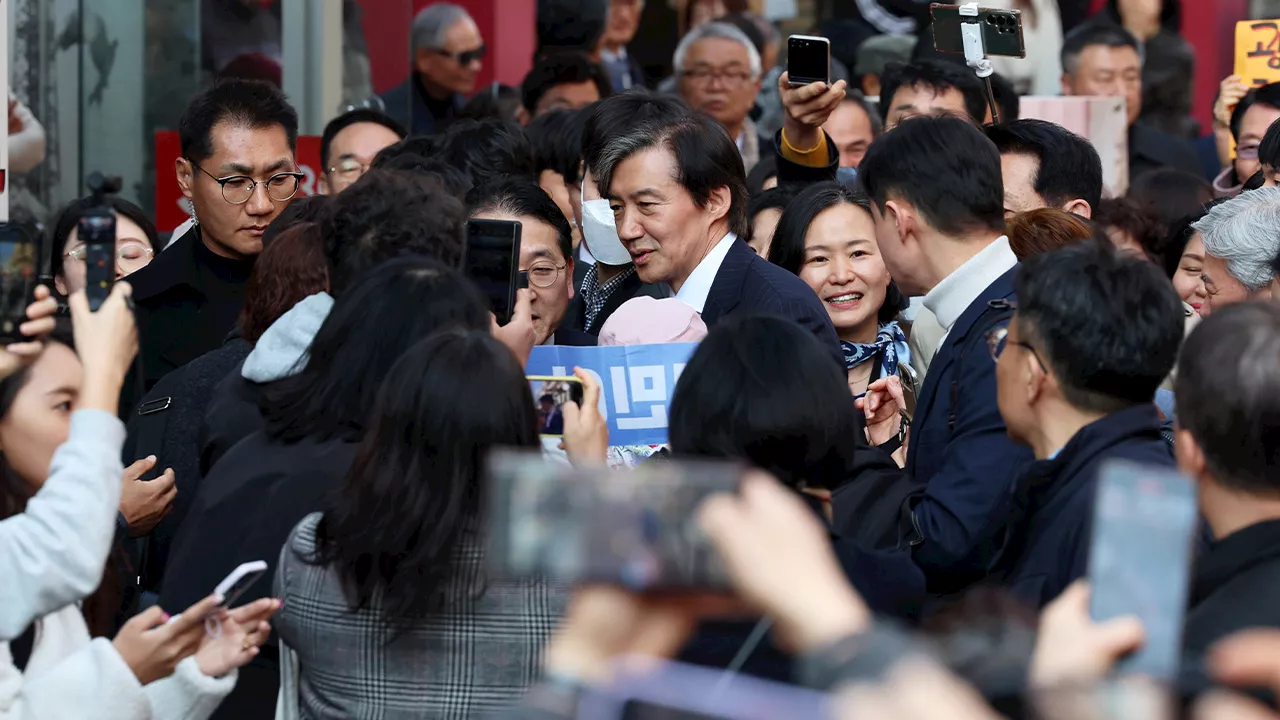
<point x="957" y="291"/>
<point x="697" y="286"/>
<point x="610" y="56"/>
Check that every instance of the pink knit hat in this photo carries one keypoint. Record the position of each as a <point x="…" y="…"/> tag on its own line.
<point x="648" y="321"/>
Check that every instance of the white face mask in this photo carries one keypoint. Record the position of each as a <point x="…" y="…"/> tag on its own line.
<point x="601" y="234"/>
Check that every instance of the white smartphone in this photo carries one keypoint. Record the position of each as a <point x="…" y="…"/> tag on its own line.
<point x="239" y="580"/>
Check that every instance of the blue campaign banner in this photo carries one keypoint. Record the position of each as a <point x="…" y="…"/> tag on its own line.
<point x="636" y="383"/>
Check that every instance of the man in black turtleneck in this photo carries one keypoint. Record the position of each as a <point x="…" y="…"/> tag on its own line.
<point x="447" y="55"/>
<point x="238" y="170"/>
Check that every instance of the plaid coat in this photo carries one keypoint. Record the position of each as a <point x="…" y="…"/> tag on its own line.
<point x="478" y="655"/>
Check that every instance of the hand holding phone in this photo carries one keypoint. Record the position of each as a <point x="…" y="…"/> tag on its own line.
<point x="586" y="434"/>
<point x="493" y="262"/>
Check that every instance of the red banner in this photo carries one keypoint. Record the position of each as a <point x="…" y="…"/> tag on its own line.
<point x="171" y="207"/>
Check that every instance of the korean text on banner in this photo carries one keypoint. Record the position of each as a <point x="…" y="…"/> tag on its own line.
<point x="636" y="383"/>
<point x="1258" y="52"/>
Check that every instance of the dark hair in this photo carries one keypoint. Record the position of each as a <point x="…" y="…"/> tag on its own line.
<point x="1068" y="165"/>
<point x="787" y="249"/>
<point x="246" y="103"/>
<point x="764" y="390"/>
<point x="775" y="198"/>
<point x="524" y="198"/>
<point x="1170" y="14"/>
<point x="1267" y="95"/>
<point x="565" y="25"/>
<point x="386" y="214"/>
<point x="935" y="75"/>
<point x="744" y="22"/>
<point x="706" y="159"/>
<point x="1228" y="395"/>
<point x="562" y="68"/>
<point x="312" y="208"/>
<point x="495" y="102"/>
<point x="730" y="6"/>
<point x="557" y="142"/>
<point x="370" y="326"/>
<point x="69" y="218"/>
<point x="1269" y="148"/>
<point x="943" y="166"/>
<point x="765" y="168"/>
<point x="486" y="150"/>
<point x="1043" y="230"/>
<point x="346" y="120"/>
<point x="414" y="145"/>
<point x="443" y="406"/>
<point x="1179" y="234"/>
<point x="1169" y="193"/>
<point x="291" y="268"/>
<point x="619" y="113"/>
<point x="1089" y="34"/>
<point x="1007" y="98"/>
<point x="1136" y="221"/>
<point x="449" y="177"/>
<point x="1109" y="324"/>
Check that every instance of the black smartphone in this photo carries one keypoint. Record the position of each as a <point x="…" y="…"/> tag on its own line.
<point x="1001" y="30"/>
<point x="97" y="230"/>
<point x="1144" y="529"/>
<point x="19" y="275"/>
<point x="808" y="60"/>
<point x="550" y="394"/>
<point x="635" y="528"/>
<point x="493" y="262"/>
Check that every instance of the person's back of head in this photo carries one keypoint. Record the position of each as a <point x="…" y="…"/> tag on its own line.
<point x="454" y="396"/>
<point x="1228" y="401"/>
<point x="291" y="268"/>
<point x="309" y="209"/>
<point x="933" y="76"/>
<point x="556" y="138"/>
<point x="1043" y="230"/>
<point x="764" y="391"/>
<point x="494" y="102"/>
<point x="1131" y="227"/>
<point x="419" y="145"/>
<point x="449" y="177"/>
<point x="1170" y="194"/>
<point x="1105" y="324"/>
<point x="486" y="149"/>
<point x="570" y="25"/>
<point x="386" y="214"/>
<point x="1068" y="169"/>
<point x="370" y="326"/>
<point x="617" y="114"/>
<point x="557" y="69"/>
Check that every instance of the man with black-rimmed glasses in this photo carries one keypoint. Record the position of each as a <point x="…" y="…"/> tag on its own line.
<point x="239" y="172"/>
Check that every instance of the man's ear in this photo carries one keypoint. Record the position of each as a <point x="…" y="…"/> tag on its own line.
<point x="903" y="218"/>
<point x="183" y="169"/>
<point x="1190" y="456"/>
<point x="720" y="202"/>
<point x="324" y="183"/>
<point x="1066" y="85"/>
<point x="1079" y="207"/>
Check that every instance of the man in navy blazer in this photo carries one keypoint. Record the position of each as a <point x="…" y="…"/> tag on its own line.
<point x="678" y="191"/>
<point x="938" y="204"/>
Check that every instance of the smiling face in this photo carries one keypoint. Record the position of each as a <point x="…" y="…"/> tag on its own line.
<point x="1188" y="280"/>
<point x="39" y="419"/>
<point x="843" y="266"/>
<point x="1221" y="287"/>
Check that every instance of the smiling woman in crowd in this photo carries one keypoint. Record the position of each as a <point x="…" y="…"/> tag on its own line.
<point x="826" y="236"/>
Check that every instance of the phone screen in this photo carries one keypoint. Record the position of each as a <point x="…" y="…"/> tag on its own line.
<point x="19" y="253"/>
<point x="1144" y="527"/>
<point x="550" y="394"/>
<point x="493" y="258"/>
<point x="808" y="59"/>
<point x="635" y="528"/>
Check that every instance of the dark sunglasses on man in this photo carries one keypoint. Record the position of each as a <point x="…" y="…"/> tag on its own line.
<point x="464" y="58"/>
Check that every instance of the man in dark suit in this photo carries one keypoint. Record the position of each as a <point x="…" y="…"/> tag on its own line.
<point x="678" y="190"/>
<point x="546" y="252"/>
<point x="938" y="204"/>
<point x="447" y="55"/>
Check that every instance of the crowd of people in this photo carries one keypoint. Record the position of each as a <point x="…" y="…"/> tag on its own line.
<point x="921" y="335"/>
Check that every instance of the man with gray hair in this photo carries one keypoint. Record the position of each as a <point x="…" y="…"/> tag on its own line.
<point x="446" y="58"/>
<point x="718" y="72"/>
<point x="1241" y="240"/>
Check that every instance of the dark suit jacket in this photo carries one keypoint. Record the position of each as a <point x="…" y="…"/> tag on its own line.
<point x="406" y="104"/>
<point x="1048" y="539"/>
<point x="747" y="284"/>
<point x="1151" y="149"/>
<point x="1235" y="586"/>
<point x="575" y="317"/>
<point x="968" y="472"/>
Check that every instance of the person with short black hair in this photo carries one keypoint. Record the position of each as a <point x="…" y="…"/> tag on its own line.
<point x="853" y="126"/>
<point x="930" y="87"/>
<point x="494" y="102"/>
<point x="1269" y="154"/>
<point x="1170" y="194"/>
<point x="1101" y="59"/>
<point x="1228" y="396"/>
<point x="556" y="138"/>
<point x="561" y="81"/>
<point x="765" y="210"/>
<point x="1046" y="165"/>
<point x="679" y="196"/>
<point x="237" y="167"/>
<point x="546" y="251"/>
<point x="1130" y="227"/>
<point x="937" y="202"/>
<point x="1077" y="371"/>
<point x="486" y="150"/>
<point x="447" y="55"/>
<point x="1251" y="118"/>
<point x="350" y="144"/>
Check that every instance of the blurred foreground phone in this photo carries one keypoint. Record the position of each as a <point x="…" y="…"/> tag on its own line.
<point x="1144" y="529"/>
<point x="678" y="691"/>
<point x="19" y="274"/>
<point x="1001" y="30"/>
<point x="493" y="262"/>
<point x="635" y="528"/>
<point x="550" y="395"/>
<point x="239" y="580"/>
<point x="808" y="60"/>
<point x="97" y="230"/>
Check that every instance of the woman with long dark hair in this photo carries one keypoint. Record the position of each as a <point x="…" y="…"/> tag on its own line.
<point x="137" y="242"/>
<point x="826" y="236"/>
<point x="390" y="612"/>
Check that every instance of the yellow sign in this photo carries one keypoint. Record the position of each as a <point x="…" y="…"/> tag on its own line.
<point x="1258" y="51"/>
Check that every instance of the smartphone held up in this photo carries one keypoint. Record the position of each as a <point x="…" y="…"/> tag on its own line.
<point x="493" y="263"/>
<point x="808" y="60"/>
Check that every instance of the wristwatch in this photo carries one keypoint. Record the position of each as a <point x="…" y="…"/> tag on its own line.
<point x="892" y="444"/>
